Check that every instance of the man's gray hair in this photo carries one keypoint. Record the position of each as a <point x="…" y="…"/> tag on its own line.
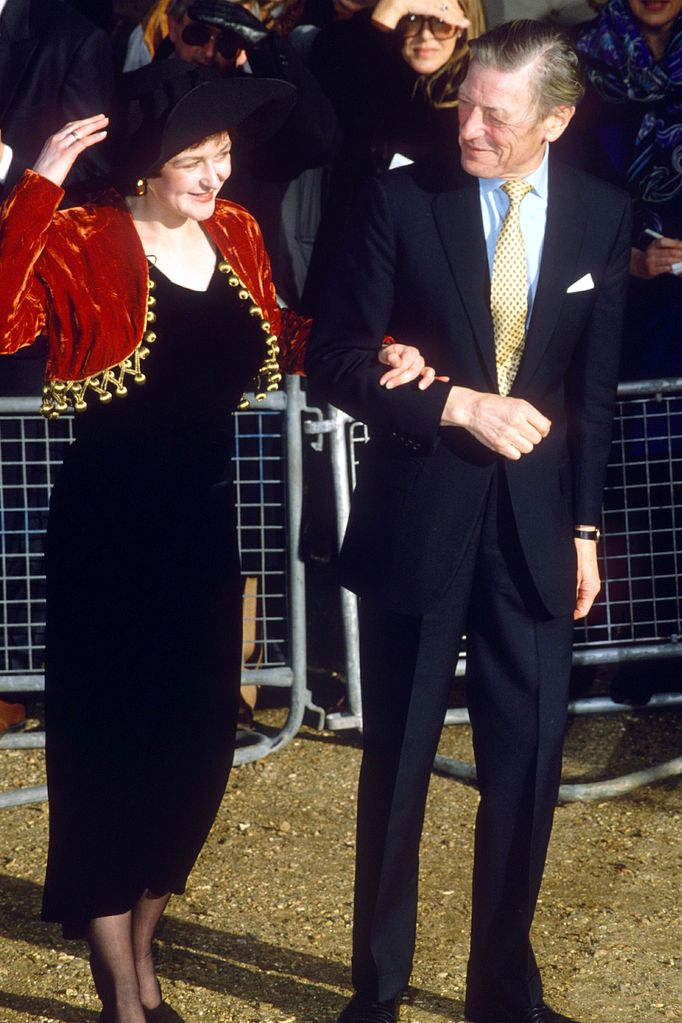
<point x="556" y="79"/>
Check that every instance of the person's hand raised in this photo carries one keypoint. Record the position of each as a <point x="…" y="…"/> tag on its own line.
<point x="62" y="149"/>
<point x="388" y="13"/>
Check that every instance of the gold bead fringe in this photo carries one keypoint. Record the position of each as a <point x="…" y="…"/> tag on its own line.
<point x="269" y="376"/>
<point x="60" y="395"/>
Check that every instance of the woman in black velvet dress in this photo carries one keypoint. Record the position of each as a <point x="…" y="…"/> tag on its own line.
<point x="159" y="312"/>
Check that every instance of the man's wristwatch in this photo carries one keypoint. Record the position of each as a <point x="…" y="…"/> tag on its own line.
<point x="587" y="534"/>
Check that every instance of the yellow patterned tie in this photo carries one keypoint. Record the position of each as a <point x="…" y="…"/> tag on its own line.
<point x="509" y="289"/>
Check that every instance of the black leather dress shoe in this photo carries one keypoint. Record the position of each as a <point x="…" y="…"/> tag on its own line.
<point x="362" y="1010"/>
<point x="537" y="1014"/>
<point x="543" y="1014"/>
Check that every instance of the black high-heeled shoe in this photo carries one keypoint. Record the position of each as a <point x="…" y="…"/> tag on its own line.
<point x="163" y="1013"/>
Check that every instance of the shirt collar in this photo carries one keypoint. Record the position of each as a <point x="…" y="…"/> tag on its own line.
<point x="538" y="179"/>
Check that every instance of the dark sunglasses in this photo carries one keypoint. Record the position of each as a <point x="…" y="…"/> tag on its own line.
<point x="198" y="34"/>
<point x="413" y="25"/>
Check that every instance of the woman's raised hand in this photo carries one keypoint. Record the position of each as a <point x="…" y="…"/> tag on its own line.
<point x="406" y="364"/>
<point x="61" y="150"/>
<point x="388" y="13"/>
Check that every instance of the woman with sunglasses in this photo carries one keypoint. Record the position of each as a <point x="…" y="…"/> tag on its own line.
<point x="433" y="36"/>
<point x="392" y="74"/>
<point x="160" y="312"/>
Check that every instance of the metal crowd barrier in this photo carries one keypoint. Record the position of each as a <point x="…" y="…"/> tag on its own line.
<point x="268" y="481"/>
<point x="637" y="616"/>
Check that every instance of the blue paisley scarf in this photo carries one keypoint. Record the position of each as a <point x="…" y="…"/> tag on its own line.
<point x="620" y="66"/>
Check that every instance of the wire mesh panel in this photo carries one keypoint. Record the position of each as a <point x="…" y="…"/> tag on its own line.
<point x="260" y="483"/>
<point x="641" y="554"/>
<point x="31" y="451"/>
<point x="29" y="457"/>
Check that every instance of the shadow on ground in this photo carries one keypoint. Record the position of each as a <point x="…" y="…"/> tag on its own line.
<point x="207" y="958"/>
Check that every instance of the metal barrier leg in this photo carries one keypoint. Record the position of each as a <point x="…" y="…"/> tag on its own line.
<point x="352" y="718"/>
<point x="22" y="797"/>
<point x="301" y="698"/>
<point x="586" y="792"/>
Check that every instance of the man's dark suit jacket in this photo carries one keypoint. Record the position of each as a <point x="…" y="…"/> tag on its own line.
<point x="414" y="266"/>
<point x="55" y="66"/>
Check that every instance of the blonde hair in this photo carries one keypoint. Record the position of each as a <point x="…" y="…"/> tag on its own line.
<point x="440" y="88"/>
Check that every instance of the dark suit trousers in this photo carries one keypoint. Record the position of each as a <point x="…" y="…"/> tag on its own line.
<point x="518" y="666"/>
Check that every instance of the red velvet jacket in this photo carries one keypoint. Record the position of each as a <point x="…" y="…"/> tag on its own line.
<point x="80" y="276"/>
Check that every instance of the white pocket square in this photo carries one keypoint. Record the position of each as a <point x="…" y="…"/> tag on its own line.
<point x="584" y="284"/>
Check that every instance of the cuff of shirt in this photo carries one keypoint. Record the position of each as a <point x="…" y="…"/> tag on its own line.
<point x="5" y="162"/>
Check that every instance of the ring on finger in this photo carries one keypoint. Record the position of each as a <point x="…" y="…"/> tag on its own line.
<point x="75" y="134"/>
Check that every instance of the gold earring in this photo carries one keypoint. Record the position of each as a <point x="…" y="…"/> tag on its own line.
<point x="141" y="186"/>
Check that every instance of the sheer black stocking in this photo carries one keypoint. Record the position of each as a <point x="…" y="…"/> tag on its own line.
<point x="113" y="968"/>
<point x="146" y="915"/>
<point x="121" y="960"/>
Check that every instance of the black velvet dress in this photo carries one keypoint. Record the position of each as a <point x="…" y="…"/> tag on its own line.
<point x="144" y="615"/>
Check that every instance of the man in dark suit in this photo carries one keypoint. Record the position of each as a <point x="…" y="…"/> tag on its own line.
<point x="476" y="507"/>
<point x="55" y="66"/>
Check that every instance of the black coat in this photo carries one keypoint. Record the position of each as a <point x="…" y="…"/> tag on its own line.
<point x="382" y="113"/>
<point x="55" y="66"/>
<point x="414" y="265"/>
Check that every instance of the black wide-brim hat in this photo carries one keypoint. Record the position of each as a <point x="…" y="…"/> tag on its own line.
<point x="169" y="105"/>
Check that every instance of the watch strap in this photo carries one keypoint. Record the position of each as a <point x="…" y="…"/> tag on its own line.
<point x="587" y="534"/>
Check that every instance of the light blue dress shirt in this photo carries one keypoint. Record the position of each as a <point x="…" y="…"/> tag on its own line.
<point x="532" y="217"/>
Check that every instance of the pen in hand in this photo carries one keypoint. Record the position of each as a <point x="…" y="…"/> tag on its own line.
<point x="676" y="268"/>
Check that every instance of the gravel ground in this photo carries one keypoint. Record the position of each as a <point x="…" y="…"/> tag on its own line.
<point x="263" y="933"/>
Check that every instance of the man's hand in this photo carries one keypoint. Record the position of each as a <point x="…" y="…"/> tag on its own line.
<point x="61" y="150"/>
<point x="407" y="363"/>
<point x="509" y="426"/>
<point x="588" y="583"/>
<point x="656" y="259"/>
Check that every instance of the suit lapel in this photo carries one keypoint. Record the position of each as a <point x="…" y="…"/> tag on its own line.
<point x="457" y="214"/>
<point x="16" y="50"/>
<point x="563" y="238"/>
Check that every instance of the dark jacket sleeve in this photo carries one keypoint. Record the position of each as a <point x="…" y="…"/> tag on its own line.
<point x="353" y="317"/>
<point x="593" y="378"/>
